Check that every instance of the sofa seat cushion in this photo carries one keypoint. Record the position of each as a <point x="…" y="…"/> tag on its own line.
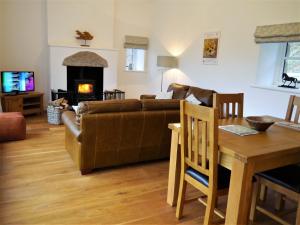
<point x="287" y="176"/>
<point x="160" y="104"/>
<point x="12" y="126"/>
<point x="223" y="177"/>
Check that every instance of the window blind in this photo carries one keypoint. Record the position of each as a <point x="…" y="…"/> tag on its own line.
<point x="289" y="32"/>
<point x="136" y="42"/>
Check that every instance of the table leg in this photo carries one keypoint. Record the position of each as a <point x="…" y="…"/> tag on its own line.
<point x="174" y="170"/>
<point x="240" y="190"/>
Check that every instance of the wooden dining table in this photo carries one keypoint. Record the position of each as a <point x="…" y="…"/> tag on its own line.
<point x="244" y="156"/>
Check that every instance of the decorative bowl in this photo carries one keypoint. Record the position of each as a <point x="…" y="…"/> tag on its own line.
<point x="259" y="123"/>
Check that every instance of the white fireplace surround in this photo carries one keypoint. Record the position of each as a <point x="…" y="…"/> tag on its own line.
<point x="58" y="72"/>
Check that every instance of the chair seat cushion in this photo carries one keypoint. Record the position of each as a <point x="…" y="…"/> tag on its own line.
<point x="288" y="177"/>
<point x="223" y="177"/>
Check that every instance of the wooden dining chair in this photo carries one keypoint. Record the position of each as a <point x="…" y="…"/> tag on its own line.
<point x="284" y="180"/>
<point x="199" y="157"/>
<point x="293" y="108"/>
<point x="229" y="105"/>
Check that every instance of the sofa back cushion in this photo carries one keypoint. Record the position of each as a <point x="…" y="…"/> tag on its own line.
<point x="125" y="105"/>
<point x="179" y="90"/>
<point x="160" y="104"/>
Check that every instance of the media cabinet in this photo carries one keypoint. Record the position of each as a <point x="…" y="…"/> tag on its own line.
<point x="26" y="103"/>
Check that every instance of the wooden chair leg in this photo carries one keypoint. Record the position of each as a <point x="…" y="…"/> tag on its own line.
<point x="298" y="214"/>
<point x="263" y="192"/>
<point x="181" y="197"/>
<point x="209" y="212"/>
<point x="255" y="196"/>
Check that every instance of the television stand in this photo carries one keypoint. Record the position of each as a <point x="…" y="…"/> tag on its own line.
<point x="26" y="103"/>
<point x="16" y="93"/>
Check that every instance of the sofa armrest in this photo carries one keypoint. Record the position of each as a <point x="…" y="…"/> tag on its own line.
<point x="69" y="119"/>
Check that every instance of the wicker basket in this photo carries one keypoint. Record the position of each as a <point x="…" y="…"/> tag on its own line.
<point x="54" y="114"/>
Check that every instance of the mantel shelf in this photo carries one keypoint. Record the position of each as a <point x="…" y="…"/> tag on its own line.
<point x="82" y="48"/>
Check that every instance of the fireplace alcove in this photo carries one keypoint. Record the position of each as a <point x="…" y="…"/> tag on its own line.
<point x="84" y="76"/>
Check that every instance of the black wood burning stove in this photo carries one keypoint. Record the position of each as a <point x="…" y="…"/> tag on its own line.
<point x="86" y="83"/>
<point x="84" y="76"/>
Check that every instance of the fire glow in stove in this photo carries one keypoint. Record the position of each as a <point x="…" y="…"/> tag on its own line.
<point x="85" y="89"/>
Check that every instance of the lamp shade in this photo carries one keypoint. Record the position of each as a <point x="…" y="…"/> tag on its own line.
<point x="167" y="61"/>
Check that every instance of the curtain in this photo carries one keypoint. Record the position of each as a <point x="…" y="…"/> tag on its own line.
<point x="136" y="42"/>
<point x="289" y="32"/>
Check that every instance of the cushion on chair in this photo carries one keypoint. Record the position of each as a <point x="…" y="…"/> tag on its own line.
<point x="288" y="177"/>
<point x="223" y="177"/>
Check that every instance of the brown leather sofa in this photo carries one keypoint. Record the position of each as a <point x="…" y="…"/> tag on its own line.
<point x="118" y="132"/>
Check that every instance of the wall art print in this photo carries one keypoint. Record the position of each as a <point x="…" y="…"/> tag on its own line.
<point x="210" y="48"/>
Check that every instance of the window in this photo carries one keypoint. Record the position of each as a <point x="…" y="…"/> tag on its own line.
<point x="135" y="59"/>
<point x="292" y="60"/>
<point x="275" y="59"/>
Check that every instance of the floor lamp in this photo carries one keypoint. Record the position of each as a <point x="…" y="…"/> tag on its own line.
<point x="167" y="62"/>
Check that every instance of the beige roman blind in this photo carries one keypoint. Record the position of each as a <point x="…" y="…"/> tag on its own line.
<point x="277" y="33"/>
<point x="136" y="42"/>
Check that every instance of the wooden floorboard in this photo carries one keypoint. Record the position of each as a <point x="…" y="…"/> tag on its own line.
<point x="40" y="185"/>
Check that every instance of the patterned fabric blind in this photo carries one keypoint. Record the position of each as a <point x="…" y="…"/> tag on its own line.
<point x="278" y="33"/>
<point x="136" y="42"/>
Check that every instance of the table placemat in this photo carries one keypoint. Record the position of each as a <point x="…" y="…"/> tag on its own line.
<point x="239" y="130"/>
<point x="294" y="126"/>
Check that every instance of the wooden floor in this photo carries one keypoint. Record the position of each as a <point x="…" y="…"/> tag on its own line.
<point x="40" y="185"/>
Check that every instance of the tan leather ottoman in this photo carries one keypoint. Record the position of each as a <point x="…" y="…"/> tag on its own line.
<point x="12" y="126"/>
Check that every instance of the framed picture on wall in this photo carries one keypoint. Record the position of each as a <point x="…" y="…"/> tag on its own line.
<point x="210" y="48"/>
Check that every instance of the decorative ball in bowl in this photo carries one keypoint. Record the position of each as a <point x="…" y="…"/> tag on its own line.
<point x="259" y="123"/>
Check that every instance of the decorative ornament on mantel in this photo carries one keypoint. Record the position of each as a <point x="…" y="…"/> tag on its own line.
<point x="86" y="36"/>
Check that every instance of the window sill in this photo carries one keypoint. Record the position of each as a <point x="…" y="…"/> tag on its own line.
<point x="275" y="88"/>
<point x="135" y="71"/>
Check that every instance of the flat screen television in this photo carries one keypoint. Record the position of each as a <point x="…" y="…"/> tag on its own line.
<point x="17" y="81"/>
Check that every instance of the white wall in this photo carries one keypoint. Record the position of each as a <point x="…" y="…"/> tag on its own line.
<point x="1" y="34"/>
<point x="133" y="17"/>
<point x="94" y="16"/>
<point x="24" y="39"/>
<point x="177" y="28"/>
<point x="270" y="63"/>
